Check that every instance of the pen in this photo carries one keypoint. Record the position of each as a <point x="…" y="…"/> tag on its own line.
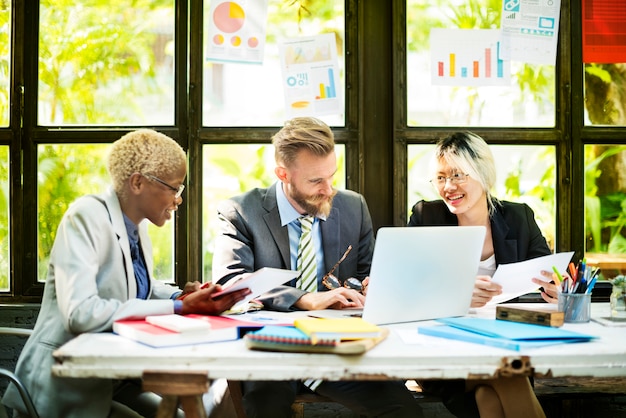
<point x="592" y="283"/>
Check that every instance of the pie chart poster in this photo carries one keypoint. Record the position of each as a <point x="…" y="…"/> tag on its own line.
<point x="236" y="31"/>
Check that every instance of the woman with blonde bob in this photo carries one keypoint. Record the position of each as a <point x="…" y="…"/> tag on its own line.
<point x="464" y="173"/>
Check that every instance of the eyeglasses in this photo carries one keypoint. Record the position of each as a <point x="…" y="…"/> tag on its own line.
<point x="331" y="282"/>
<point x="178" y="190"/>
<point x="456" y="178"/>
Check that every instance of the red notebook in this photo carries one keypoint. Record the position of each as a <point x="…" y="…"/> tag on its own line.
<point x="221" y="328"/>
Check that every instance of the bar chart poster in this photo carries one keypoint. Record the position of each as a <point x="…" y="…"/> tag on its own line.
<point x="468" y="57"/>
<point x="236" y="31"/>
<point x="311" y="76"/>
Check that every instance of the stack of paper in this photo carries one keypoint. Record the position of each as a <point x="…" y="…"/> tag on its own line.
<point x="503" y="334"/>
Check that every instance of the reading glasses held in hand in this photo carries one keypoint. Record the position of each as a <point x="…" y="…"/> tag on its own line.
<point x="331" y="282"/>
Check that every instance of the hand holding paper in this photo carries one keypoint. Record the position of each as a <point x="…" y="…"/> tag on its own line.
<point x="516" y="278"/>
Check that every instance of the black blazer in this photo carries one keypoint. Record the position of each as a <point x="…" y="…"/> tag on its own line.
<point x="516" y="235"/>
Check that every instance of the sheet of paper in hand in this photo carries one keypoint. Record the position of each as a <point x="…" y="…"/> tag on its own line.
<point x="516" y="278"/>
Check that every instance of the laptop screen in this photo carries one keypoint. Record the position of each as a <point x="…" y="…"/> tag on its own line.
<point x="421" y="273"/>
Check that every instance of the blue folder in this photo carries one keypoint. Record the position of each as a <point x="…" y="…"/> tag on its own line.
<point x="503" y="334"/>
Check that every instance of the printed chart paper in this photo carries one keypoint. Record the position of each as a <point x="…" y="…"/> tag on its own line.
<point x="311" y="76"/>
<point x="530" y="30"/>
<point x="468" y="57"/>
<point x="236" y="31"/>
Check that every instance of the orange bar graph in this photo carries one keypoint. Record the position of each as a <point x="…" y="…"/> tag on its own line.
<point x="476" y="72"/>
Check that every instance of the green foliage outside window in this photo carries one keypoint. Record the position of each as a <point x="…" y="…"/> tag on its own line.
<point x="67" y="172"/>
<point x="466" y="105"/>
<point x="605" y="210"/>
<point x="97" y="62"/>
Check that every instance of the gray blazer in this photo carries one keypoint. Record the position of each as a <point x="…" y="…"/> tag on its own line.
<point x="90" y="284"/>
<point x="252" y="237"/>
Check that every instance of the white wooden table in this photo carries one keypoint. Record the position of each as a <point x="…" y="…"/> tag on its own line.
<point x="107" y="355"/>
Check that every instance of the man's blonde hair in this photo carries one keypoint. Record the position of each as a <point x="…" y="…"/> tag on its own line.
<point x="144" y="151"/>
<point x="302" y="133"/>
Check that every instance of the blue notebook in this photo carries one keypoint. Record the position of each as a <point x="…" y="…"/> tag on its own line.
<point x="504" y="334"/>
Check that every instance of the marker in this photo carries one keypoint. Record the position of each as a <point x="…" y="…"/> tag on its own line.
<point x="558" y="275"/>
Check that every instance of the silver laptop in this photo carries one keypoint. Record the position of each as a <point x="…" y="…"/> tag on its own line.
<point x="421" y="273"/>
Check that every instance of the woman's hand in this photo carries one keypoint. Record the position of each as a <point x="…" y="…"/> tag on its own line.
<point x="549" y="286"/>
<point x="202" y="300"/>
<point x="484" y="291"/>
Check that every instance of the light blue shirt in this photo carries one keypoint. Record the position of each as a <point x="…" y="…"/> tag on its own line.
<point x="289" y="216"/>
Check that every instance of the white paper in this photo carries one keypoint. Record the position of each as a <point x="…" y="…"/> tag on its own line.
<point x="236" y="31"/>
<point x="516" y="278"/>
<point x="311" y="83"/>
<point x="259" y="282"/>
<point x="530" y="30"/>
<point x="468" y="57"/>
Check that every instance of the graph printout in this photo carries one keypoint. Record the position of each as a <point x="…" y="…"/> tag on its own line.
<point x="530" y="30"/>
<point x="311" y="76"/>
<point x="236" y="31"/>
<point x="468" y="57"/>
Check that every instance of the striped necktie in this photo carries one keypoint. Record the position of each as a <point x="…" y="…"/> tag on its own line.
<point x="306" y="257"/>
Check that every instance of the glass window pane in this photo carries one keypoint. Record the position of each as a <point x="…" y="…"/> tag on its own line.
<point x="604" y="94"/>
<point x="605" y="204"/>
<point x="528" y="101"/>
<point x="5" y="61"/>
<point x="5" y="249"/>
<point x="229" y="170"/>
<point x="66" y="172"/>
<point x="525" y="174"/>
<point x="241" y="94"/>
<point x="105" y="63"/>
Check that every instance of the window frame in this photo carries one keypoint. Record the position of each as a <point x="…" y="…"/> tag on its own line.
<point x="376" y="135"/>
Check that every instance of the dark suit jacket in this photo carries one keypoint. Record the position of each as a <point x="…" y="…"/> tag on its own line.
<point x="516" y="235"/>
<point x="252" y="237"/>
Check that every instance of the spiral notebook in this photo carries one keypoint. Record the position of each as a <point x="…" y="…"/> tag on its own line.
<point x="291" y="339"/>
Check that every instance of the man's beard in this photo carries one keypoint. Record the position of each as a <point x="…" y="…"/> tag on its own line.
<point x="317" y="205"/>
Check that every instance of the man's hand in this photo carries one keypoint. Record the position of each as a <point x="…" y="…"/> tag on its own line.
<point x="202" y="302"/>
<point x="365" y="283"/>
<point x="340" y="298"/>
<point x="484" y="291"/>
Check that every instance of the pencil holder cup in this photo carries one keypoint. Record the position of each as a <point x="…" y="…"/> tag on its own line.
<point x="576" y="307"/>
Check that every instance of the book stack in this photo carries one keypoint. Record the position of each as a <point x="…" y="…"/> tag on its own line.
<point x="174" y="330"/>
<point x="318" y="335"/>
